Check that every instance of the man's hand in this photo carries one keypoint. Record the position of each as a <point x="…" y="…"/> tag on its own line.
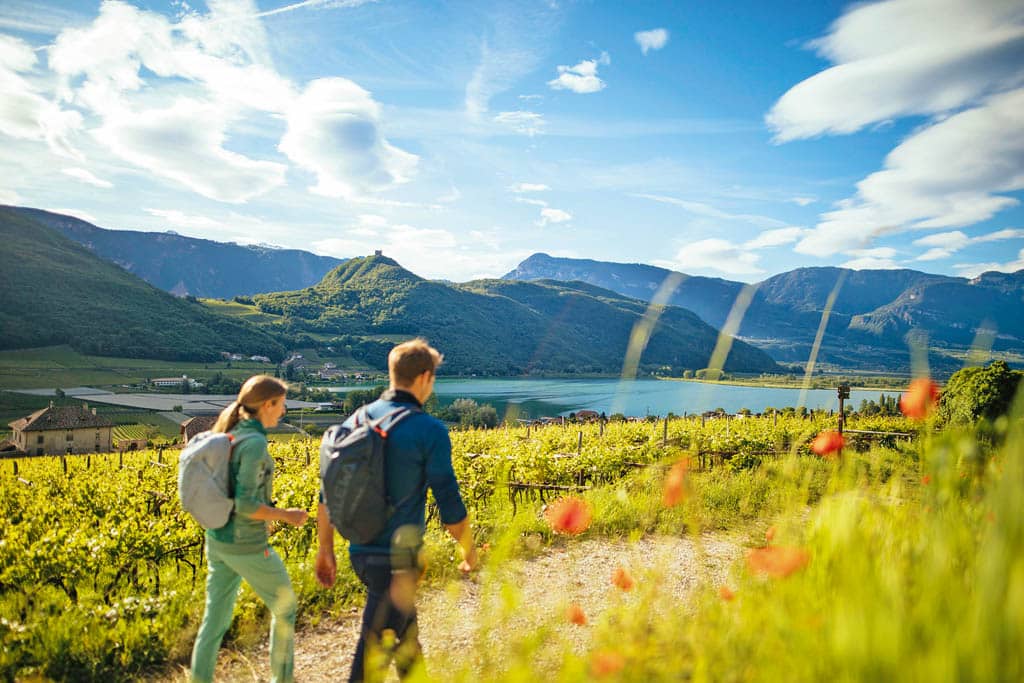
<point x="326" y="567"/>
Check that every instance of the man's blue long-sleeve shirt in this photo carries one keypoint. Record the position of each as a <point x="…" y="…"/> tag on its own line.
<point x="419" y="455"/>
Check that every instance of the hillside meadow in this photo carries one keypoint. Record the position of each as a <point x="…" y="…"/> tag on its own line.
<point x="894" y="560"/>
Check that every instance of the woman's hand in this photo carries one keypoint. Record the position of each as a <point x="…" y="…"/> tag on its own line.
<point x="294" y="516"/>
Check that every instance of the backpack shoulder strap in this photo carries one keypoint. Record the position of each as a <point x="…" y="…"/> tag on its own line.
<point x="235" y="440"/>
<point x="386" y="423"/>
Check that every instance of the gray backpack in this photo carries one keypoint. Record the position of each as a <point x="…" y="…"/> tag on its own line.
<point x="205" y="485"/>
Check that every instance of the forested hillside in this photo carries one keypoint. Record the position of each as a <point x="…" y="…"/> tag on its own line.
<point x="499" y="326"/>
<point x="55" y="291"/>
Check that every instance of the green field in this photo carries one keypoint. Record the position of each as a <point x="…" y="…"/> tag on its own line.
<point x="61" y="366"/>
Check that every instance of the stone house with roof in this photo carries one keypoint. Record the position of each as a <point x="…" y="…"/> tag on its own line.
<point x="196" y="425"/>
<point x="62" y="429"/>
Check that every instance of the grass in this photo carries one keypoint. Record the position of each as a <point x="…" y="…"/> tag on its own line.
<point x="903" y="565"/>
<point x="61" y="366"/>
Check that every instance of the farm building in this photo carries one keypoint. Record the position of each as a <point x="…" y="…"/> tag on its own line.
<point x="65" y="429"/>
<point x="196" y="425"/>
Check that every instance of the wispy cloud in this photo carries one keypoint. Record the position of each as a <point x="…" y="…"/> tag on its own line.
<point x="709" y="211"/>
<point x="725" y="256"/>
<point x="529" y="187"/>
<point x="960" y="64"/>
<point x="945" y="244"/>
<point x="976" y="269"/>
<point x="879" y="258"/>
<point x="581" y="78"/>
<point x="523" y="122"/>
<point x="314" y="4"/>
<point x="516" y="38"/>
<point x="87" y="177"/>
<point x="655" y="39"/>
<point x="717" y="255"/>
<point x="902" y="57"/>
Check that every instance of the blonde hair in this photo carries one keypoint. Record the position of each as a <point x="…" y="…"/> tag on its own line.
<point x="410" y="359"/>
<point x="256" y="391"/>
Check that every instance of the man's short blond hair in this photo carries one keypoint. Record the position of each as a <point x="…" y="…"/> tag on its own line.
<point x="410" y="359"/>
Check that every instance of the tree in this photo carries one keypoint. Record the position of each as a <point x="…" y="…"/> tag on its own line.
<point x="976" y="393"/>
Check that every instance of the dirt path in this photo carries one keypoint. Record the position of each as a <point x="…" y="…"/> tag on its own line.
<point x="451" y="618"/>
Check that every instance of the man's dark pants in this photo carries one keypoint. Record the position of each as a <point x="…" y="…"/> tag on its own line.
<point x="380" y="614"/>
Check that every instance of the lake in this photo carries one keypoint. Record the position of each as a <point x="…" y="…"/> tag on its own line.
<point x="539" y="397"/>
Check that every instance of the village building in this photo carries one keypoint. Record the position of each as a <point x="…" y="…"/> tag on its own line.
<point x="175" y="382"/>
<point x="64" y="429"/>
<point x="196" y="425"/>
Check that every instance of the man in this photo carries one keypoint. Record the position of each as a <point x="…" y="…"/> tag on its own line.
<point x="418" y="456"/>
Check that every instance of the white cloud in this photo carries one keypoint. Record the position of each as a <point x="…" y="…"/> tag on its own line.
<point x="1008" y="234"/>
<point x="878" y="258"/>
<point x="655" y="39"/>
<point x="531" y="202"/>
<point x="180" y="219"/>
<point x="953" y="173"/>
<point x="333" y="131"/>
<point x="709" y="211"/>
<point x="945" y="244"/>
<point x="529" y="187"/>
<point x="74" y="213"/>
<point x="548" y="216"/>
<point x="430" y="252"/>
<point x="870" y="263"/>
<point x="581" y="78"/>
<point x="9" y="197"/>
<point x="904" y="57"/>
<point x="775" y="238"/>
<point x="715" y="254"/>
<point x="168" y="143"/>
<point x="523" y="122"/>
<point x="945" y="240"/>
<point x="315" y="4"/>
<point x="24" y="112"/>
<point x="87" y="177"/>
<point x="803" y="201"/>
<point x="975" y="269"/>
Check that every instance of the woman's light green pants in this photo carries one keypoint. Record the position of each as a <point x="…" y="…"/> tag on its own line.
<point x="265" y="573"/>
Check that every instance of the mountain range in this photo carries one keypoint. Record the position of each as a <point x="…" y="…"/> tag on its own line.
<point x="190" y="266"/>
<point x="57" y="291"/>
<point x="876" y="315"/>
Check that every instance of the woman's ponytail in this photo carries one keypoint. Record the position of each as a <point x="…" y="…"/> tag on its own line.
<point x="254" y="393"/>
<point x="228" y="418"/>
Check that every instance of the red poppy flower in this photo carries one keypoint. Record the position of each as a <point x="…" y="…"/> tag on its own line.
<point x="926" y="479"/>
<point x="575" y="615"/>
<point x="623" y="579"/>
<point x="827" y="443"/>
<point x="726" y="594"/>
<point x="675" y="483"/>
<point x="776" y="561"/>
<point x="606" y="662"/>
<point x="568" y="515"/>
<point x="920" y="399"/>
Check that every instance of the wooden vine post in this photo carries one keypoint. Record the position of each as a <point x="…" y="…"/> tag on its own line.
<point x="579" y="444"/>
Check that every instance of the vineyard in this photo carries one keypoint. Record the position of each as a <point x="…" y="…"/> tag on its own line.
<point x="101" y="573"/>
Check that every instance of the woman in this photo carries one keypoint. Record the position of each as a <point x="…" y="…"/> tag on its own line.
<point x="239" y="549"/>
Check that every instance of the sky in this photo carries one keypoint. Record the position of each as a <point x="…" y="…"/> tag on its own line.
<point x="735" y="140"/>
